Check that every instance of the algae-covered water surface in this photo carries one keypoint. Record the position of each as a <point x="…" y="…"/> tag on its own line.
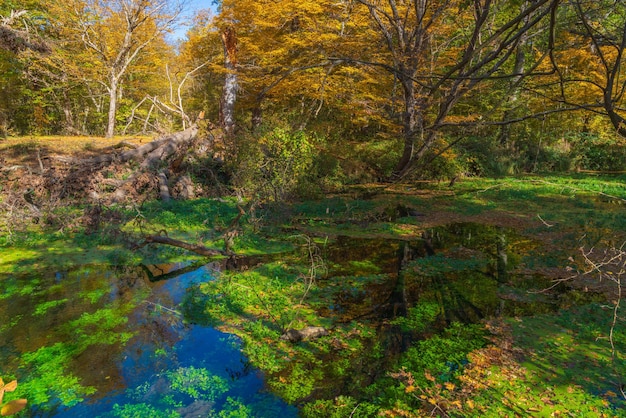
<point x="112" y="341"/>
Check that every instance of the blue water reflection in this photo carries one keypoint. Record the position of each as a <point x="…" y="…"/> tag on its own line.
<point x="173" y="368"/>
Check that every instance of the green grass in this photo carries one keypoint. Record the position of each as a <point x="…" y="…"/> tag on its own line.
<point x="567" y="368"/>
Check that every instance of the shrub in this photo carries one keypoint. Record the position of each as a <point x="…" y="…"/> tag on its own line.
<point x="275" y="164"/>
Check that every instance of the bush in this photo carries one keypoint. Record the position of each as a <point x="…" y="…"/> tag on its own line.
<point x="275" y="165"/>
<point x="598" y="154"/>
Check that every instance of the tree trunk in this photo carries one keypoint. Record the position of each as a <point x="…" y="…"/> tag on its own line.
<point x="112" y="107"/>
<point x="257" y="115"/>
<point x="411" y="123"/>
<point x="229" y="93"/>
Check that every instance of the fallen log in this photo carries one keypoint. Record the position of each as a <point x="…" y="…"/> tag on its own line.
<point x="150" y="153"/>
<point x="198" y="249"/>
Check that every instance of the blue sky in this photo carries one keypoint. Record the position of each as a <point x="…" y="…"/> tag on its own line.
<point x="192" y="7"/>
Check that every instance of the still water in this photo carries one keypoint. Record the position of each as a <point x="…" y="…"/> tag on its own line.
<point x="102" y="341"/>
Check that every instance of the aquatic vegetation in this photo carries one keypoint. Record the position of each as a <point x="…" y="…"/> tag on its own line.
<point x="196" y="383"/>
<point x="140" y="410"/>
<point x="48" y="376"/>
<point x="100" y="327"/>
<point x="43" y="308"/>
<point x="186" y="391"/>
<point x="404" y="336"/>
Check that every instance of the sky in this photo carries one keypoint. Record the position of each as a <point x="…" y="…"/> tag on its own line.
<point x="192" y="7"/>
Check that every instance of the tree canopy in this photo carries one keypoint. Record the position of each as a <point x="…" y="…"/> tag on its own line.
<point x="394" y="85"/>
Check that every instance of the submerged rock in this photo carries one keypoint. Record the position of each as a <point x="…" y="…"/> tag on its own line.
<point x="198" y="408"/>
<point x="308" y="333"/>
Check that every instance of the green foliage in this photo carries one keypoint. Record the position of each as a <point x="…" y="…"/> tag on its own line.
<point x="276" y="164"/>
<point x="43" y="308"/>
<point x="234" y="408"/>
<point x="296" y="385"/>
<point x="189" y="216"/>
<point x="567" y="367"/>
<point x="100" y="327"/>
<point x="443" y="355"/>
<point x="592" y="152"/>
<point x="419" y="317"/>
<point x="196" y="383"/>
<point x="140" y="410"/>
<point x="50" y="378"/>
<point x="94" y="295"/>
<point x="447" y="162"/>
<point x="340" y="407"/>
<point x="263" y="354"/>
<point x="575" y="345"/>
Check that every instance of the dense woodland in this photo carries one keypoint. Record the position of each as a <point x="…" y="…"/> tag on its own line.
<point x="343" y="90"/>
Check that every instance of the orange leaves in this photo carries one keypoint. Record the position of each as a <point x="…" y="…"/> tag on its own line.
<point x="12" y="407"/>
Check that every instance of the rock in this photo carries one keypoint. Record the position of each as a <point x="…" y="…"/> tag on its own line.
<point x="308" y="333"/>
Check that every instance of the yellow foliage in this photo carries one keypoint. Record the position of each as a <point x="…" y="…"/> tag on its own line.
<point x="449" y="385"/>
<point x="14" y="406"/>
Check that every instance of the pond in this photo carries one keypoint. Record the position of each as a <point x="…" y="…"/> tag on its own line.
<point x="471" y="271"/>
<point x="111" y="341"/>
<point x="107" y="341"/>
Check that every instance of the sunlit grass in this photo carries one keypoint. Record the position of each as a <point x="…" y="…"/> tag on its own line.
<point x="65" y="144"/>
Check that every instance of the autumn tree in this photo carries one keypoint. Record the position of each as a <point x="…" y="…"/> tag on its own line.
<point x="589" y="60"/>
<point x="283" y="51"/>
<point x="440" y="52"/>
<point x="20" y="37"/>
<point x="199" y="69"/>
<point x="114" y="34"/>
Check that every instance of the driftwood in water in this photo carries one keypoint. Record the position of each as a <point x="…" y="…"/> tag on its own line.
<point x="198" y="249"/>
<point x="308" y="333"/>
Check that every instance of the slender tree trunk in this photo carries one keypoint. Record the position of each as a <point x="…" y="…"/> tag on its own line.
<point x="112" y="107"/>
<point x="257" y="114"/>
<point x="229" y="93"/>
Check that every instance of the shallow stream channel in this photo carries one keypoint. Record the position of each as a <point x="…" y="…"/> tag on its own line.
<point x="107" y="341"/>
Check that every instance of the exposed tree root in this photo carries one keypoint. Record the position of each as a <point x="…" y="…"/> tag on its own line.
<point x="158" y="168"/>
<point x="35" y="182"/>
